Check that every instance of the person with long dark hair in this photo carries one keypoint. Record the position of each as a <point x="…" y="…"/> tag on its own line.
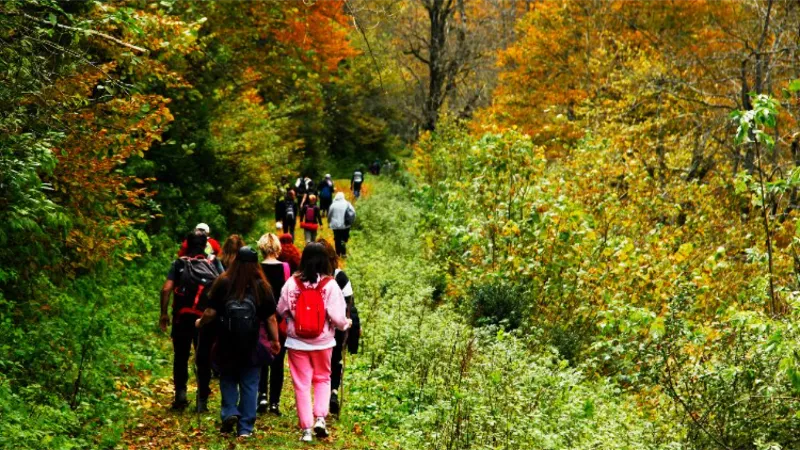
<point x="310" y="342"/>
<point x="243" y="303"/>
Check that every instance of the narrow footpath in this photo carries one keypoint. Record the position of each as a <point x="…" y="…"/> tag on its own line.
<point x="158" y="427"/>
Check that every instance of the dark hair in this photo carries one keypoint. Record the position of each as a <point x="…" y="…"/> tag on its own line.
<point x="314" y="262"/>
<point x="196" y="243"/>
<point x="242" y="276"/>
<point x="229" y="249"/>
<point x="333" y="258"/>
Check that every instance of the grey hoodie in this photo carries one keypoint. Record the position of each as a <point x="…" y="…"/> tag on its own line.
<point x="338" y="209"/>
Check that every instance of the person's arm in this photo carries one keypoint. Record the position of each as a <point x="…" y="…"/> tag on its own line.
<point x="336" y="307"/>
<point x="303" y="202"/>
<point x="163" y="321"/>
<point x="272" y="331"/>
<point x="283" y="302"/>
<point x="208" y="316"/>
<point x="318" y="215"/>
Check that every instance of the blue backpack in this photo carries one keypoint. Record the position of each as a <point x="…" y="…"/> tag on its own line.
<point x="326" y="191"/>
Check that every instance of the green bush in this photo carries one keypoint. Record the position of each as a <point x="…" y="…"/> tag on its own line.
<point x="499" y="304"/>
<point x="72" y="353"/>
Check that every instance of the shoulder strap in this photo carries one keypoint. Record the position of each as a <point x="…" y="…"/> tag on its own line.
<point x="299" y="283"/>
<point x="322" y="283"/>
<point x="286" y="271"/>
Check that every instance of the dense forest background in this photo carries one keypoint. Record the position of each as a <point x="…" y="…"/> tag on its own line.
<point x="607" y="191"/>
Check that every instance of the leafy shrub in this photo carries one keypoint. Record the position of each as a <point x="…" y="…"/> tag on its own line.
<point x="499" y="304"/>
<point x="71" y="353"/>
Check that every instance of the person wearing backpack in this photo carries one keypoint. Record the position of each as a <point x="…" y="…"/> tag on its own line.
<point x="314" y="307"/>
<point x="352" y="336"/>
<point x="356" y="181"/>
<point x="289" y="210"/>
<point x="270" y="384"/>
<point x="311" y="219"/>
<point x="341" y="217"/>
<point x="326" y="190"/>
<point x="242" y="303"/>
<point x="188" y="283"/>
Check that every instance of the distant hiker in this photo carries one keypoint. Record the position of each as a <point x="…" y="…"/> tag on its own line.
<point x="230" y="249"/>
<point x="341" y="217"/>
<point x="355" y="182"/>
<point x="375" y="167"/>
<point x="289" y="253"/>
<point x="277" y="273"/>
<point x="242" y="302"/>
<point x="311" y="219"/>
<point x="326" y="190"/>
<point x="212" y="247"/>
<point x="311" y="190"/>
<point x="300" y="192"/>
<point x="352" y="336"/>
<point x="314" y="307"/>
<point x="189" y="281"/>
<point x="289" y="213"/>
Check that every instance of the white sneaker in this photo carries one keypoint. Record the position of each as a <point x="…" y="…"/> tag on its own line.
<point x="306" y="437"/>
<point x="320" y="429"/>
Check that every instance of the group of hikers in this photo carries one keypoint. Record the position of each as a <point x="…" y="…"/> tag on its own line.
<point x="310" y="202"/>
<point x="243" y="309"/>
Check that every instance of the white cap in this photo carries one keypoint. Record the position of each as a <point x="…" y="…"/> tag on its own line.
<point x="204" y="227"/>
<point x="327" y="175"/>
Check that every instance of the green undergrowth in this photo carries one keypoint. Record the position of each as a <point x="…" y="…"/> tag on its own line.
<point x="72" y="356"/>
<point x="427" y="379"/>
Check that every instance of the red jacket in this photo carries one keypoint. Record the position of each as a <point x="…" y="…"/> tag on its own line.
<point x="214" y="247"/>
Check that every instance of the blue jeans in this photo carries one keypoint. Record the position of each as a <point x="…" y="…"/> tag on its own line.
<point x="240" y="386"/>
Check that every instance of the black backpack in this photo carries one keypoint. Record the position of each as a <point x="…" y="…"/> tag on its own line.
<point x="290" y="215"/>
<point x="240" y="324"/>
<point x="195" y="277"/>
<point x="349" y="217"/>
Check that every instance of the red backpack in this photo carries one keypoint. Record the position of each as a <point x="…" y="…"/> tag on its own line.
<point x="309" y="313"/>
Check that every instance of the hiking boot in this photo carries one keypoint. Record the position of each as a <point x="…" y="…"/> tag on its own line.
<point x="229" y="424"/>
<point x="306" y="437"/>
<point x="262" y="404"/>
<point x="274" y="409"/>
<point x="181" y="402"/>
<point x="334" y="406"/>
<point x="202" y="405"/>
<point x="320" y="429"/>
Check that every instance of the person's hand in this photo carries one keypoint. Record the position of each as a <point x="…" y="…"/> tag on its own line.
<point x="163" y="322"/>
<point x="349" y="324"/>
<point x="197" y="323"/>
<point x="275" y="347"/>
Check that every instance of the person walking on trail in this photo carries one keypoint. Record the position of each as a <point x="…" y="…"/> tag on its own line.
<point x="351" y="337"/>
<point x="341" y="217"/>
<point x="311" y="219"/>
<point x="188" y="282"/>
<point x="212" y="247"/>
<point x="289" y="213"/>
<point x="229" y="250"/>
<point x="270" y="384"/>
<point x="356" y="181"/>
<point x="326" y="190"/>
<point x="313" y="307"/>
<point x="241" y="301"/>
<point x="289" y="253"/>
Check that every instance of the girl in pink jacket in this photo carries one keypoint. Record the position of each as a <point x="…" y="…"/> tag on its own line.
<point x="310" y="358"/>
